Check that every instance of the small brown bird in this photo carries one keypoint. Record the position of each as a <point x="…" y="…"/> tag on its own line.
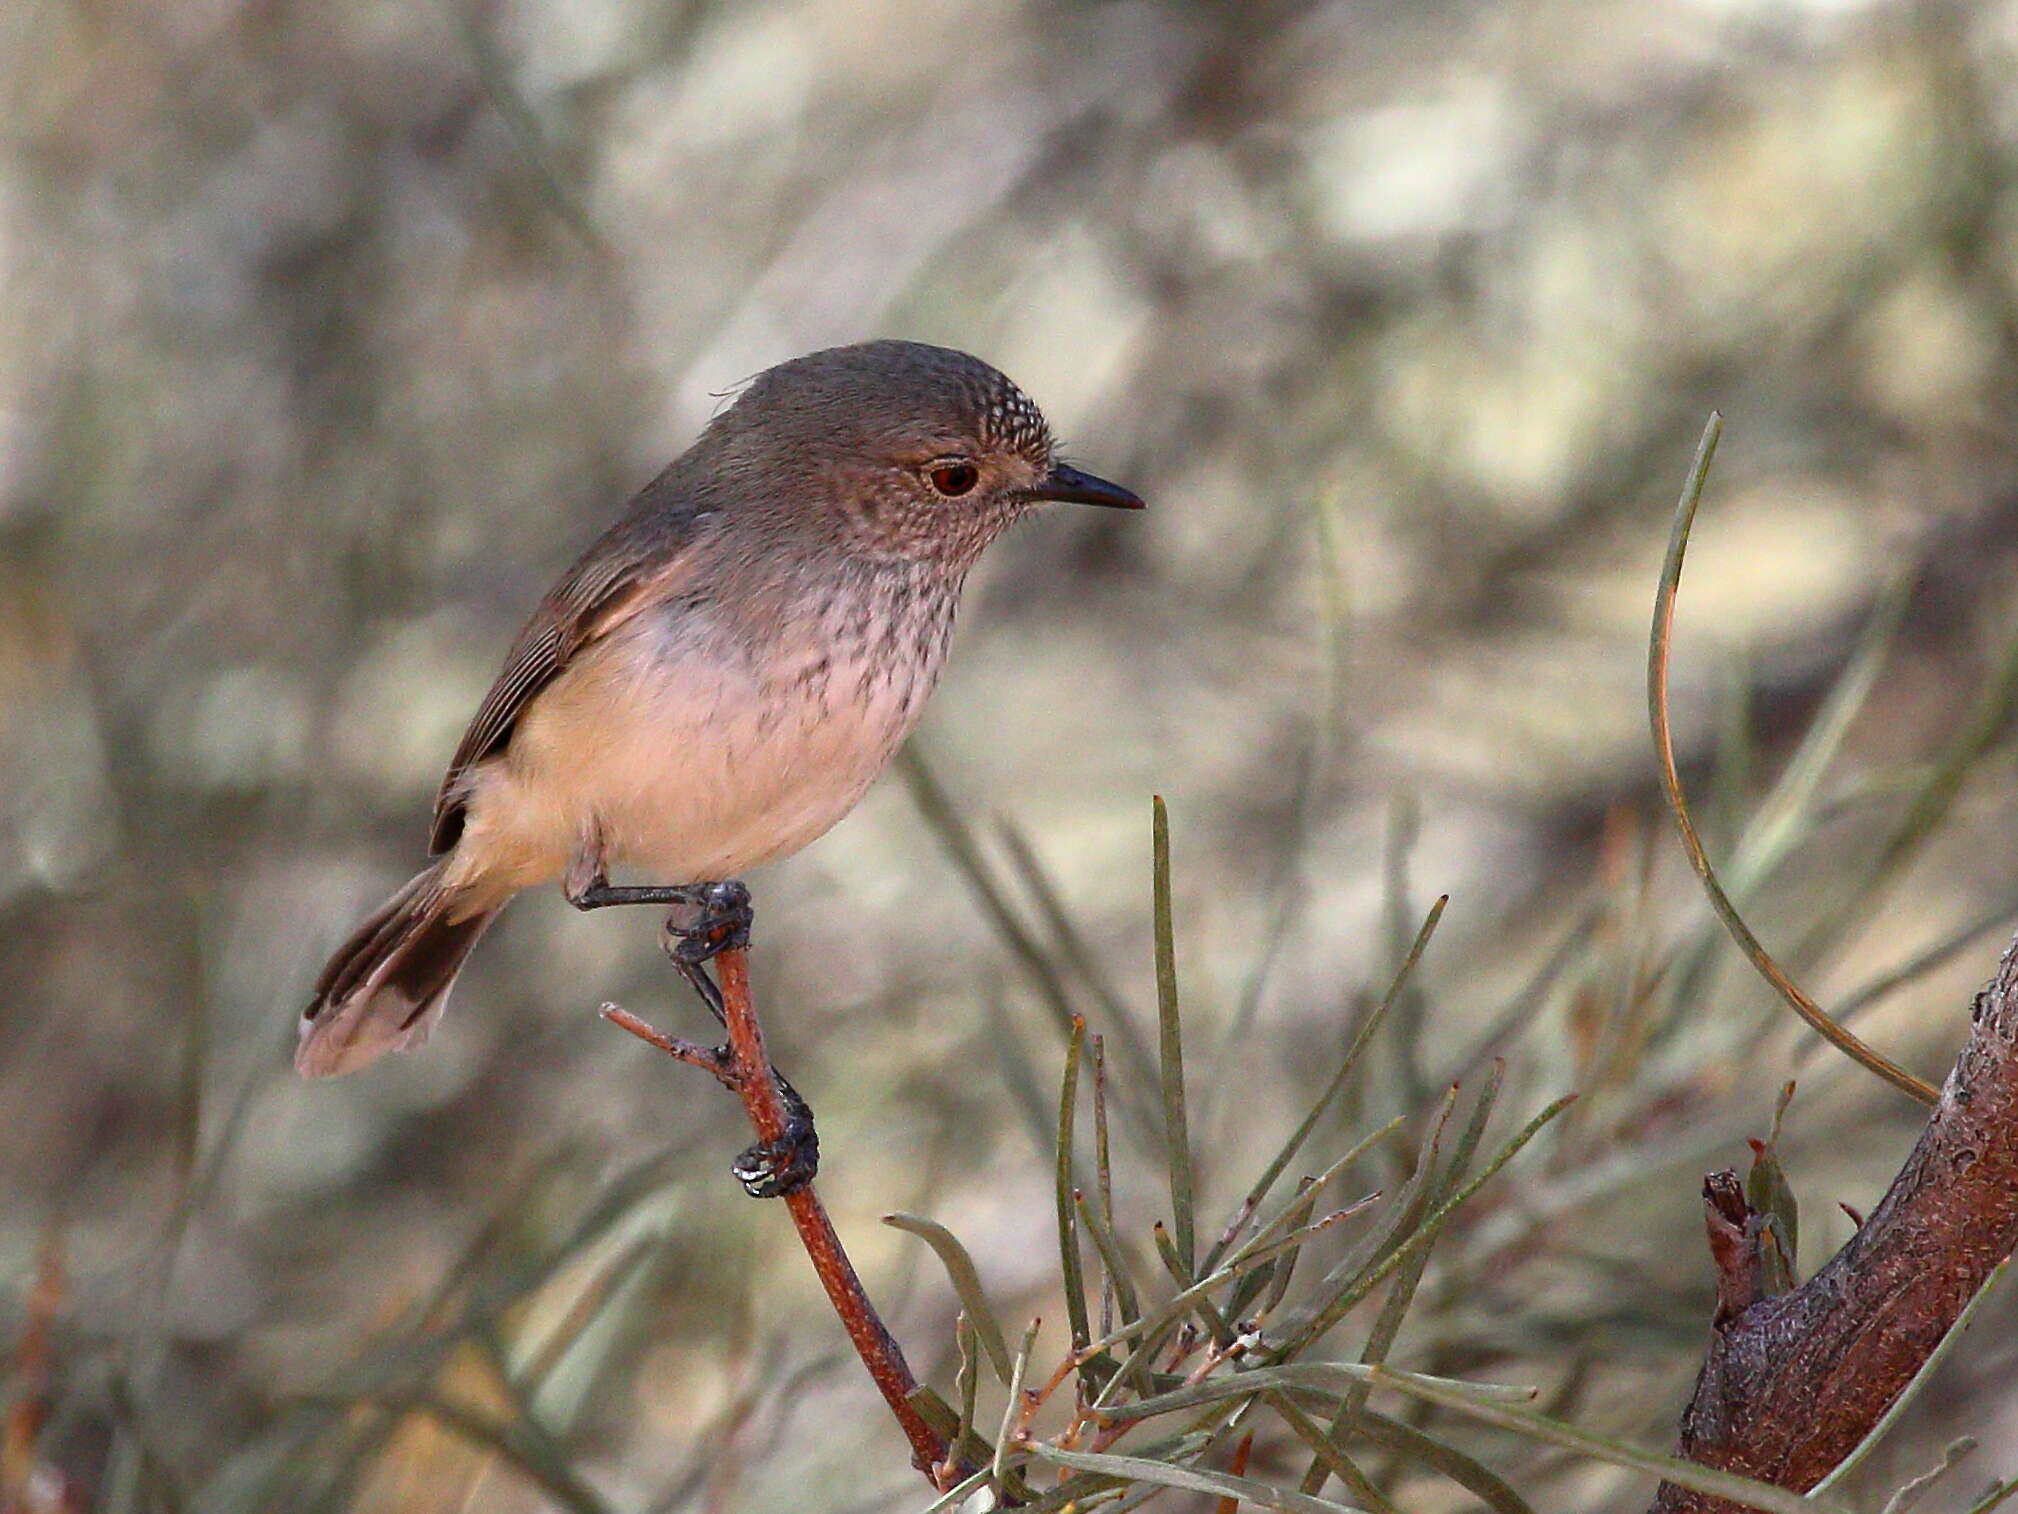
<point x="723" y="674"/>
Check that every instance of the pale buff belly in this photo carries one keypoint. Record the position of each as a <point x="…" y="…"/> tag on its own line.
<point x="684" y="768"/>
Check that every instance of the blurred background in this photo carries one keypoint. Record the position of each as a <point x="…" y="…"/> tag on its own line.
<point x="330" y="333"/>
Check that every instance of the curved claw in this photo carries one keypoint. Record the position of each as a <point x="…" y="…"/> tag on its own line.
<point x="715" y="919"/>
<point x="772" y="1169"/>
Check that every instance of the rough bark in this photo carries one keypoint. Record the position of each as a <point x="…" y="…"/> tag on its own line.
<point x="1792" y="1383"/>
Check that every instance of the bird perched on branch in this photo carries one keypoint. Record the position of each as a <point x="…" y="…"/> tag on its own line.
<point x="721" y="676"/>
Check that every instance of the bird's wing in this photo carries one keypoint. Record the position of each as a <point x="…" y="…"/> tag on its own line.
<point x="629" y="568"/>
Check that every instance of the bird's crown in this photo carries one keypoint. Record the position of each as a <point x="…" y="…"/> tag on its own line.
<point x="886" y="392"/>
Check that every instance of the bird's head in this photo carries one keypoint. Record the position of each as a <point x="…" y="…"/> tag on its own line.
<point x="901" y="449"/>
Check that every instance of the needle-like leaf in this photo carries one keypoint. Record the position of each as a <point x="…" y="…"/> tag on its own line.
<point x="1688" y="1474"/>
<point x="966" y="1282"/>
<point x="1170" y="1040"/>
<point x="1066" y="1186"/>
<point x="1192" y="1479"/>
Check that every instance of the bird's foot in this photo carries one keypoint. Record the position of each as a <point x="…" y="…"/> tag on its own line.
<point x="772" y="1169"/>
<point x="709" y="919"/>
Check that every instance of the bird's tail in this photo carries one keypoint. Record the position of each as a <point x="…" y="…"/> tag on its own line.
<point x="385" y="987"/>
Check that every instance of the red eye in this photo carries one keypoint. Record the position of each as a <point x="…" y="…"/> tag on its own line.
<point x="954" y="479"/>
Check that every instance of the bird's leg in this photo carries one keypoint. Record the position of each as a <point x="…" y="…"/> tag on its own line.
<point x="599" y="895"/>
<point x="717" y="918"/>
<point x="596" y="894"/>
<point x="706" y="920"/>
<point x="703" y="911"/>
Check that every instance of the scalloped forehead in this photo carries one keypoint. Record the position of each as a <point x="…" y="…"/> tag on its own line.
<point x="1013" y="420"/>
<point x="890" y="386"/>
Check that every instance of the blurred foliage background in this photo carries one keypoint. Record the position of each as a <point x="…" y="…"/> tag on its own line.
<point x="330" y="332"/>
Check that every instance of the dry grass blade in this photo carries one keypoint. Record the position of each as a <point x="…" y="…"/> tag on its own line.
<point x="1918" y="965"/>
<point x="1072" y="943"/>
<point x="522" y="125"/>
<point x="1660" y="644"/>
<point x="518" y="1442"/>
<point x="1008" y="1051"/>
<point x="1989" y="716"/>
<point x="942" y="816"/>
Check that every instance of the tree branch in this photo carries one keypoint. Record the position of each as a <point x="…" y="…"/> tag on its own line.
<point x="744" y="1069"/>
<point x="1792" y="1383"/>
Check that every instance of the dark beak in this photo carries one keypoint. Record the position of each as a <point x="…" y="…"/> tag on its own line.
<point x="1069" y="486"/>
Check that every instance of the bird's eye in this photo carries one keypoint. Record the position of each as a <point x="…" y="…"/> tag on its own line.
<point x="954" y="479"/>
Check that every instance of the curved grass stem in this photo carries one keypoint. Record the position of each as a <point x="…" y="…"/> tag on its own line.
<point x="1660" y="645"/>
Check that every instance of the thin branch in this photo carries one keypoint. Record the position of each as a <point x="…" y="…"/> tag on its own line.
<point x="745" y="1070"/>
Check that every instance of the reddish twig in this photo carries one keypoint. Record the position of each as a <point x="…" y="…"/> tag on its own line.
<point x="745" y="1071"/>
<point x="34" y="1365"/>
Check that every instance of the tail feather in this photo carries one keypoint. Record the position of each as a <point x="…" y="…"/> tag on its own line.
<point x="367" y="944"/>
<point x="386" y="986"/>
